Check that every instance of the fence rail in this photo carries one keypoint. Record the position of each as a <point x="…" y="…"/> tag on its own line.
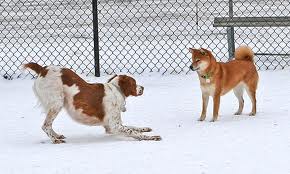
<point x="136" y="36"/>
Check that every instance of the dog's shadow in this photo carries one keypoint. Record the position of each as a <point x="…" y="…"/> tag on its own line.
<point x="90" y="139"/>
<point x="230" y="118"/>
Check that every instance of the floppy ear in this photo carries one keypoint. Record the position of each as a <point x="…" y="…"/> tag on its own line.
<point x="127" y="85"/>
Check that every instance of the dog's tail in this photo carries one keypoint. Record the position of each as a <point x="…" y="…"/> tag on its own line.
<point x="35" y="67"/>
<point x="244" y="53"/>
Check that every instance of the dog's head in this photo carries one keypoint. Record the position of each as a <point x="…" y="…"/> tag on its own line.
<point x="201" y="59"/>
<point x="127" y="85"/>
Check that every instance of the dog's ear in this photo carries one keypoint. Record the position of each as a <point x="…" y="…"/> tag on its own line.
<point x="191" y="50"/>
<point x="203" y="51"/>
<point x="208" y="53"/>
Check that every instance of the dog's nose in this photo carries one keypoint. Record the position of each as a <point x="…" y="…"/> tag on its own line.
<point x="191" y="67"/>
<point x="142" y="90"/>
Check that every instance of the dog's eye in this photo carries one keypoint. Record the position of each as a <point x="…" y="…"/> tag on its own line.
<point x="197" y="60"/>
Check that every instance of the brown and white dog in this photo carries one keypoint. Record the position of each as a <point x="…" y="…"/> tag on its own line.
<point x="217" y="78"/>
<point x="89" y="104"/>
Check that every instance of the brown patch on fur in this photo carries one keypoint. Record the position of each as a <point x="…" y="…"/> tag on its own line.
<point x="41" y="71"/>
<point x="128" y="85"/>
<point x="90" y="97"/>
<point x="223" y="77"/>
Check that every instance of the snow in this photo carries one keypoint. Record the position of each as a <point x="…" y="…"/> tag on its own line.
<point x="171" y="106"/>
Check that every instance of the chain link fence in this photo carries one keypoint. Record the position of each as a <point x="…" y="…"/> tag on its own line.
<point x="136" y="36"/>
<point x="55" y="32"/>
<point x="149" y="35"/>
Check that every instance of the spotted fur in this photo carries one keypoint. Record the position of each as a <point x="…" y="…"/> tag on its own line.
<point x="86" y="103"/>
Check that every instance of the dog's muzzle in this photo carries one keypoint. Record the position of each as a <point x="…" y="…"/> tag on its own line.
<point x="192" y="68"/>
<point x="140" y="90"/>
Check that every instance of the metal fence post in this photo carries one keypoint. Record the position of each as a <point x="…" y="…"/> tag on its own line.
<point x="96" y="38"/>
<point x="231" y="33"/>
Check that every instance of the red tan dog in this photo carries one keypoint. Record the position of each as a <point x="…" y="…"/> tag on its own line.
<point x="217" y="78"/>
<point x="89" y="104"/>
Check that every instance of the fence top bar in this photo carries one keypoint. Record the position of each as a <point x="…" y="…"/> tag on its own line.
<point x="251" y="22"/>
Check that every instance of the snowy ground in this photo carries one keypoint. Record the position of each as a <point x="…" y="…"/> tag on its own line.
<point x="171" y="105"/>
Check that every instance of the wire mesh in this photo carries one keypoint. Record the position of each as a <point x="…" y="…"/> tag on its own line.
<point x="149" y="35"/>
<point x="55" y="32"/>
<point x="135" y="36"/>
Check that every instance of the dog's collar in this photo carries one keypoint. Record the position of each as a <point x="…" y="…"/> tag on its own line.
<point x="206" y="76"/>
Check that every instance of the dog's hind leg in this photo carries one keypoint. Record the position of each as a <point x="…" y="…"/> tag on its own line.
<point x="49" y="92"/>
<point x="107" y="129"/>
<point x="252" y="94"/>
<point x="53" y="106"/>
<point x="57" y="136"/>
<point x="47" y="126"/>
<point x="251" y="83"/>
<point x="238" y="91"/>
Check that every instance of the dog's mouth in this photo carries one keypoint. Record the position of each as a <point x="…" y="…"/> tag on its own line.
<point x="140" y="91"/>
<point x="193" y="68"/>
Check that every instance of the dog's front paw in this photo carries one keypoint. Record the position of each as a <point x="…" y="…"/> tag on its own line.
<point x="156" y="138"/>
<point x="146" y="129"/>
<point x="60" y="137"/>
<point x="123" y="109"/>
<point x="108" y="130"/>
<point x="58" y="141"/>
<point x="252" y="114"/>
<point x="213" y="120"/>
<point x="148" y="138"/>
<point x="238" y="113"/>
<point x="202" y="118"/>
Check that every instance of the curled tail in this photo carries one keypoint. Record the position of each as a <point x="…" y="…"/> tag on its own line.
<point x="42" y="71"/>
<point x="244" y="53"/>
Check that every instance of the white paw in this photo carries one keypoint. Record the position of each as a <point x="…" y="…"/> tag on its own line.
<point x="57" y="141"/>
<point x="252" y="114"/>
<point x="146" y="129"/>
<point x="156" y="138"/>
<point x="60" y="137"/>
<point x="202" y="118"/>
<point x="238" y="113"/>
